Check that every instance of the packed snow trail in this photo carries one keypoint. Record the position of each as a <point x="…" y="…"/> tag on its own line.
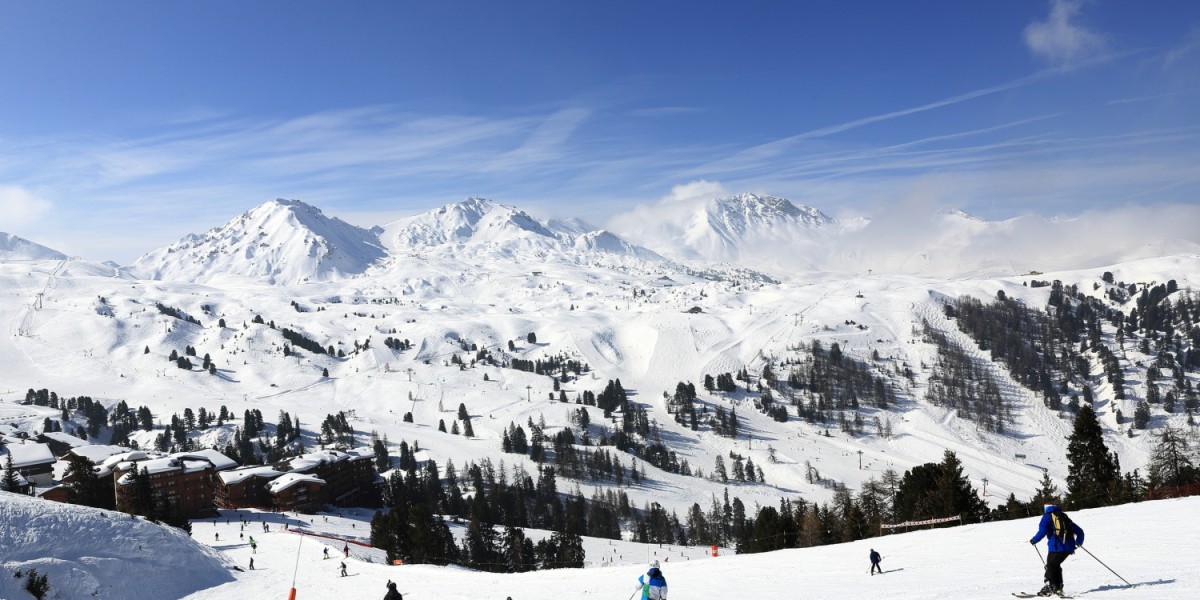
<point x="1143" y="542"/>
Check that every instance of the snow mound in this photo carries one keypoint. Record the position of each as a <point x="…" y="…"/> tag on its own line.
<point x="92" y="553"/>
<point x="18" y="248"/>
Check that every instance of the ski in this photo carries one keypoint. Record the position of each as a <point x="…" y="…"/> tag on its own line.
<point x="1032" y="595"/>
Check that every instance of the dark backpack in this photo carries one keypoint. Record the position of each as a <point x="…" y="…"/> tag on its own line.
<point x="1061" y="526"/>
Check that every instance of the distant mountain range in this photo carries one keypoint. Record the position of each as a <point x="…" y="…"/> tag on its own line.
<point x="285" y="242"/>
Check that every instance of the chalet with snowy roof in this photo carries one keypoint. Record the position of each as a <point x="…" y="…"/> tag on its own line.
<point x="183" y="482"/>
<point x="61" y="442"/>
<point x="350" y="477"/>
<point x="245" y="487"/>
<point x="56" y="493"/>
<point x="34" y="461"/>
<point x="298" y="492"/>
<point x="99" y="454"/>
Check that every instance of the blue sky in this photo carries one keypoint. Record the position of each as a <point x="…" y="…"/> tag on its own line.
<point x="124" y="125"/>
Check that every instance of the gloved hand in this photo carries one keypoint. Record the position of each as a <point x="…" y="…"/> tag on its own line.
<point x="1032" y="543"/>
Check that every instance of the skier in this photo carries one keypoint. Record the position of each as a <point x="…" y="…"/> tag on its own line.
<point x="1062" y="536"/>
<point x="325" y="553"/>
<point x="253" y="547"/>
<point x="343" y="569"/>
<point x="346" y="549"/>
<point x="251" y="563"/>
<point x="654" y="585"/>
<point x="875" y="558"/>
<point x="218" y="536"/>
<point x="392" y="593"/>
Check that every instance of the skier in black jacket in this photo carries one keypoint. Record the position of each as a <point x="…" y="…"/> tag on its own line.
<point x="392" y="593"/>
<point x="875" y="558"/>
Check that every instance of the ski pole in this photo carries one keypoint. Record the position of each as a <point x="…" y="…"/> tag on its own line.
<point x="1035" y="549"/>
<point x="635" y="591"/>
<point x="1106" y="566"/>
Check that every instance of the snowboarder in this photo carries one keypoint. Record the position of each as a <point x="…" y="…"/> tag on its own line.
<point x="1062" y="536"/>
<point x="392" y="593"/>
<point x="875" y="558"/>
<point x="343" y="569"/>
<point x="654" y="585"/>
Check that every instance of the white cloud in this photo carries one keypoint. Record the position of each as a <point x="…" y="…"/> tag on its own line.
<point x="695" y="193"/>
<point x="1060" y="40"/>
<point x="20" y="208"/>
<point x="662" y="223"/>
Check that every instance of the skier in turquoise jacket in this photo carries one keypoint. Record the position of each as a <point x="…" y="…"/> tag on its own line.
<point x="654" y="585"/>
<point x="1062" y="536"/>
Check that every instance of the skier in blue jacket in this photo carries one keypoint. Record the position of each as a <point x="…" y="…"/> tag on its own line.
<point x="654" y="585"/>
<point x="1062" y="536"/>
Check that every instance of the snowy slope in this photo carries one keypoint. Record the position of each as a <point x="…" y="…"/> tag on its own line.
<point x="17" y="248"/>
<point x="86" y="334"/>
<point x="92" y="553"/>
<point x="1144" y="543"/>
<point x="281" y="241"/>
<point x="477" y="273"/>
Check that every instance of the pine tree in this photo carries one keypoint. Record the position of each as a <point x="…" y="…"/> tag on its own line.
<point x="1170" y="463"/>
<point x="10" y="483"/>
<point x="719" y="472"/>
<point x="954" y="492"/>
<point x="1047" y="492"/>
<point x="1092" y="471"/>
<point x="83" y="485"/>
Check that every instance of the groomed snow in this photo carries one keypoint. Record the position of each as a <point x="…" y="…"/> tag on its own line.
<point x="1147" y="543"/>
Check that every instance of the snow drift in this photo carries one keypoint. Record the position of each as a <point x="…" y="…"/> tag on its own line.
<point x="91" y="553"/>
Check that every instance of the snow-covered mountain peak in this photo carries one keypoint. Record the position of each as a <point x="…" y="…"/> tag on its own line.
<point x="474" y="220"/>
<point x="751" y="210"/>
<point x="477" y="228"/>
<point x="726" y="228"/>
<point x="17" y="248"/>
<point x="280" y="241"/>
<point x="960" y="214"/>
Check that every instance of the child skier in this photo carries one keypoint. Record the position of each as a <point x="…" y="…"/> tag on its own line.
<point x="654" y="585"/>
<point x="1062" y="536"/>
